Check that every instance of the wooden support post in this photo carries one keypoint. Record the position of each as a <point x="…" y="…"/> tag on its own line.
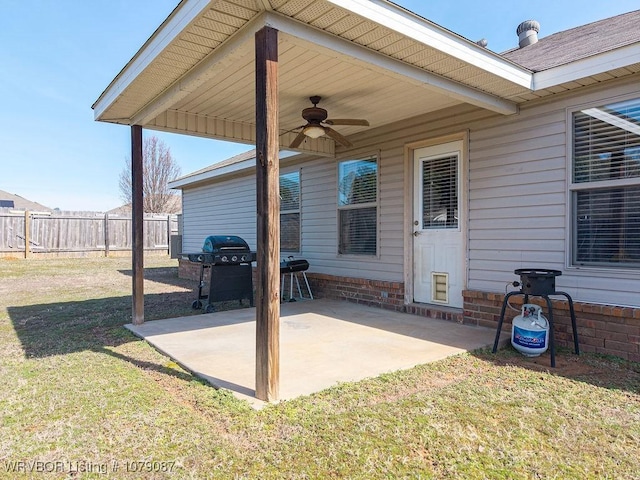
<point x="27" y="234"/>
<point x="106" y="234"/>
<point x="169" y="235"/>
<point x="268" y="220"/>
<point x="137" y="225"/>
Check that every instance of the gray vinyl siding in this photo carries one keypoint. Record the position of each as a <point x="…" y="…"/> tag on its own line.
<point x="517" y="185"/>
<point x="320" y="221"/>
<point x="229" y="207"/>
<point x="517" y="200"/>
<point x="225" y="208"/>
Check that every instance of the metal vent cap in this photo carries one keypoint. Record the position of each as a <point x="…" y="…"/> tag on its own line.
<point x="528" y="33"/>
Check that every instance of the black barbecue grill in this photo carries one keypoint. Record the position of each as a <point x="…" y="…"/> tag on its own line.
<point x="228" y="259"/>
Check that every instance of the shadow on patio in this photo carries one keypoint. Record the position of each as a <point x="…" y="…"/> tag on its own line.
<point x="322" y="343"/>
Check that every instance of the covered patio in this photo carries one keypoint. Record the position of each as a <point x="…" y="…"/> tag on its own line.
<point x="246" y="70"/>
<point x="322" y="343"/>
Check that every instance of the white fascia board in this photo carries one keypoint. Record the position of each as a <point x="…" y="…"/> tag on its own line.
<point x="217" y="172"/>
<point x="248" y="164"/>
<point x="428" y="33"/>
<point x="182" y="16"/>
<point x="604" y="62"/>
<point x="369" y="58"/>
<point x="201" y="73"/>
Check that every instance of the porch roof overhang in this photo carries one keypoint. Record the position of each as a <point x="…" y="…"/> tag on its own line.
<point x="366" y="58"/>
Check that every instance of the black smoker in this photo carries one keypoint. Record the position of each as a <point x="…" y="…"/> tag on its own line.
<point x="292" y="267"/>
<point x="228" y="258"/>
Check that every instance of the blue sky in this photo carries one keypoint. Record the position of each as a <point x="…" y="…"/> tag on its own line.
<point x="57" y="56"/>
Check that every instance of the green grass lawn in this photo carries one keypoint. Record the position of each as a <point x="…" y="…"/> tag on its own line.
<point x="84" y="398"/>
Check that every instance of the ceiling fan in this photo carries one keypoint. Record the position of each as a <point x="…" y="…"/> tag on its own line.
<point x="317" y="124"/>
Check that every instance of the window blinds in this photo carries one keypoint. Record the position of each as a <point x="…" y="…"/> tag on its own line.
<point x="440" y="192"/>
<point x="358" y="181"/>
<point x="357" y="206"/>
<point x="606" y="199"/>
<point x="290" y="212"/>
<point x="607" y="142"/>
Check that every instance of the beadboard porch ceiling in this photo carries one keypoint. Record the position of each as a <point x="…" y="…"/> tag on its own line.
<point x="366" y="59"/>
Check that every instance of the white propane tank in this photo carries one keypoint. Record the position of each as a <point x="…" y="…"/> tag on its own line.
<point x="530" y="331"/>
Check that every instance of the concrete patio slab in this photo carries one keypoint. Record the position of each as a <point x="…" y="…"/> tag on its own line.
<point x="322" y="343"/>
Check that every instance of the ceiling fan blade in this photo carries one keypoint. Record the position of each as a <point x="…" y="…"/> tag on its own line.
<point x="298" y="140"/>
<point x="337" y="137"/>
<point x="347" y="121"/>
<point x="293" y="130"/>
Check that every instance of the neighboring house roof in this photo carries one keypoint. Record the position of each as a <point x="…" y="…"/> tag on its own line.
<point x="20" y="203"/>
<point x="174" y="207"/>
<point x="121" y="210"/>
<point x="579" y="43"/>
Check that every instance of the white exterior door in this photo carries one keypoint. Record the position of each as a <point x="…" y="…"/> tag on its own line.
<point x="438" y="246"/>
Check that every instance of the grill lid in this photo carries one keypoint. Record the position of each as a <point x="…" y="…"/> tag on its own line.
<point x="222" y="243"/>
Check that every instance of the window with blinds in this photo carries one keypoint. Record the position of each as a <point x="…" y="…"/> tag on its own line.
<point x="440" y="192"/>
<point x="605" y="187"/>
<point x="290" y="212"/>
<point x="358" y="206"/>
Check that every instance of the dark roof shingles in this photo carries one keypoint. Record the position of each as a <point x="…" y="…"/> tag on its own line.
<point x="578" y="43"/>
<point x="21" y="203"/>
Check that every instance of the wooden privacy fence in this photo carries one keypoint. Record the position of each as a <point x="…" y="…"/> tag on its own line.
<point x="79" y="233"/>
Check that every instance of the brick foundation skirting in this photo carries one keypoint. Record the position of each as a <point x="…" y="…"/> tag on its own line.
<point x="606" y="329"/>
<point x="373" y="293"/>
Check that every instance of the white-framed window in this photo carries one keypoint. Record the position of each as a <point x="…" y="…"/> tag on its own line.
<point x="358" y="206"/>
<point x="290" y="212"/>
<point x="605" y="185"/>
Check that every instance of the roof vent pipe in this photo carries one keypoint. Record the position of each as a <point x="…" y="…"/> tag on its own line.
<point x="528" y="33"/>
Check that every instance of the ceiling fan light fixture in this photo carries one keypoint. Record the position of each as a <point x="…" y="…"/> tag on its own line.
<point x="313" y="131"/>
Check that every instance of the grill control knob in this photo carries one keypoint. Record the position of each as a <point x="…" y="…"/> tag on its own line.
<point x="224" y="258"/>
<point x="234" y="259"/>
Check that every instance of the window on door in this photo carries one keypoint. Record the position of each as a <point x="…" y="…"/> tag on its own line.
<point x="440" y="192"/>
<point x="605" y="185"/>
<point x="358" y="206"/>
